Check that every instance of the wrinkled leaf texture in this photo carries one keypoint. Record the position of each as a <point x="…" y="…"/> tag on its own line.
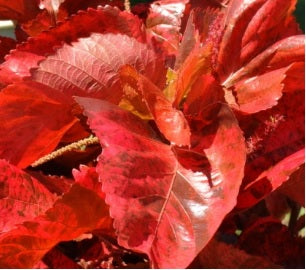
<point x="78" y="211"/>
<point x="102" y="20"/>
<point x="145" y="184"/>
<point x="90" y="66"/>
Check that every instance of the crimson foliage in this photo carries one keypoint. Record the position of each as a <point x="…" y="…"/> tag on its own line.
<point x="168" y="136"/>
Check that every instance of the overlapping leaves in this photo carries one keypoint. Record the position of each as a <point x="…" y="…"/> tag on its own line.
<point x="178" y="150"/>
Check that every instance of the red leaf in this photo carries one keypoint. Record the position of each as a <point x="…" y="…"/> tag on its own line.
<point x="33" y="121"/>
<point x="171" y="122"/>
<point x="219" y="255"/>
<point x="246" y="20"/>
<point x="55" y="184"/>
<point x="90" y="66"/>
<point x="275" y="140"/>
<point x="270" y="180"/>
<point x="267" y="236"/>
<point x="188" y="42"/>
<point x="247" y="55"/>
<point x="78" y="211"/>
<point x="159" y="207"/>
<point x="89" y="178"/>
<point x="196" y="64"/>
<point x="22" y="197"/>
<point x="294" y="188"/>
<point x="102" y="20"/>
<point x="204" y="92"/>
<point x="42" y="22"/>
<point x="281" y="54"/>
<point x="55" y="259"/>
<point x="259" y="92"/>
<point x="164" y="21"/>
<point x="6" y="44"/>
<point x="20" y="10"/>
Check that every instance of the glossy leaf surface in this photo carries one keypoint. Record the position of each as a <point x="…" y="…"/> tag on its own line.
<point x="145" y="184"/>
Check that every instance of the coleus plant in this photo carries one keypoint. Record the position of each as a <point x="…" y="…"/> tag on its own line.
<point x="156" y="136"/>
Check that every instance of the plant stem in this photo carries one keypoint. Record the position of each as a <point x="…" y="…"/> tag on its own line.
<point x="76" y="145"/>
<point x="127" y="5"/>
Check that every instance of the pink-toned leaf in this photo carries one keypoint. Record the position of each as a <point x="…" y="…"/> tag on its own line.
<point x="164" y="21"/>
<point x="189" y="40"/>
<point x="22" y="197"/>
<point x="56" y="259"/>
<point x="259" y="92"/>
<point x="80" y="210"/>
<point x="145" y="184"/>
<point x="33" y="120"/>
<point x="171" y="122"/>
<point x="219" y="255"/>
<point x="102" y="20"/>
<point x="90" y="66"/>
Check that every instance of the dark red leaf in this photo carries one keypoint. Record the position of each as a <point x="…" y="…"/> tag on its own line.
<point x="294" y="188"/>
<point x="20" y="10"/>
<point x="6" y="44"/>
<point x="219" y="255"/>
<point x="270" y="180"/>
<point x="22" y="197"/>
<point x="159" y="207"/>
<point x="56" y="259"/>
<point x="268" y="237"/>
<point x="33" y="120"/>
<point x="42" y="22"/>
<point x="55" y="184"/>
